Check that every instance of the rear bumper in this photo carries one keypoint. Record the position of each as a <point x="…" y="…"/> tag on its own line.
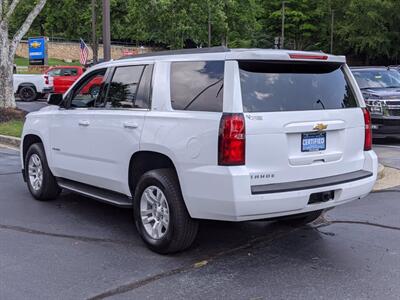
<point x="228" y="197"/>
<point x="48" y="90"/>
<point x="309" y="184"/>
<point x="385" y="127"/>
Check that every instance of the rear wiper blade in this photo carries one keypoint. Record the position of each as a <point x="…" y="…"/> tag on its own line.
<point x="320" y="102"/>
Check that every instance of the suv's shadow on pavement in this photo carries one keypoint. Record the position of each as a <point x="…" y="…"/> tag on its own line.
<point x="116" y="224"/>
<point x="96" y="248"/>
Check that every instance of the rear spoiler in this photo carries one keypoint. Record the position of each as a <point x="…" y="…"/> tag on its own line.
<point x="284" y="55"/>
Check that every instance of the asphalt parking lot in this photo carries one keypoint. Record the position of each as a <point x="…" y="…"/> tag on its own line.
<point x="31" y="106"/>
<point x="76" y="248"/>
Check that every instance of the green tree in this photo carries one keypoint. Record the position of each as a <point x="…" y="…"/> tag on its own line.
<point x="366" y="28"/>
<point x="363" y="28"/>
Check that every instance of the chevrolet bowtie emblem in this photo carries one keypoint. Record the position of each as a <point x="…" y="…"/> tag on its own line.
<point x="36" y="44"/>
<point x="320" y="127"/>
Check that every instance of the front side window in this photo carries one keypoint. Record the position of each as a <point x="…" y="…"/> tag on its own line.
<point x="197" y="86"/>
<point x="87" y="91"/>
<point x="123" y="88"/>
<point x="289" y="86"/>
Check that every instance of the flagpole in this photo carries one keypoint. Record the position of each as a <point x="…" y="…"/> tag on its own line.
<point x="106" y="30"/>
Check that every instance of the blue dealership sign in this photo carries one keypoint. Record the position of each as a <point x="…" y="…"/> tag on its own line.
<point x="37" y="51"/>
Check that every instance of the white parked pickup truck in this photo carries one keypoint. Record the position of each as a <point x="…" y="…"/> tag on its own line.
<point x="234" y="135"/>
<point x="29" y="87"/>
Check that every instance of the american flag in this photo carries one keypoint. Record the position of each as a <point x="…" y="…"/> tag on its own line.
<point x="84" y="53"/>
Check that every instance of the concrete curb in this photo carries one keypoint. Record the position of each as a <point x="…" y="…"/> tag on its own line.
<point x="389" y="179"/>
<point x="381" y="169"/>
<point x="10" y="141"/>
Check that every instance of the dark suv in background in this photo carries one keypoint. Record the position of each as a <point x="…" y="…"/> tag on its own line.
<point x="381" y="90"/>
<point x="396" y="67"/>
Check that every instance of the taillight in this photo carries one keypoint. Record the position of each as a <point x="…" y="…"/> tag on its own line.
<point x="46" y="79"/>
<point x="232" y="140"/>
<point x="368" y="130"/>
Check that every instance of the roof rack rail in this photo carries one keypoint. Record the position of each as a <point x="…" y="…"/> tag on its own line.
<point x="219" y="49"/>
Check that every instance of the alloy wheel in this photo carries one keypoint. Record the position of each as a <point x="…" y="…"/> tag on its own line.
<point x="35" y="172"/>
<point x="154" y="212"/>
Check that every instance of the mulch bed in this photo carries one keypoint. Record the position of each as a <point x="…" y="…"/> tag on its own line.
<point x="10" y="114"/>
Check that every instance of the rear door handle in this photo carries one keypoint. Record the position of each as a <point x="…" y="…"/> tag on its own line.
<point x="130" y="125"/>
<point x="84" y="123"/>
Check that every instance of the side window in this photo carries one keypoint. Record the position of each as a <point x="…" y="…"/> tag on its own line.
<point x="144" y="90"/>
<point x="54" y="72"/>
<point x="88" y="90"/>
<point x="70" y="72"/>
<point x="123" y="87"/>
<point x="197" y="86"/>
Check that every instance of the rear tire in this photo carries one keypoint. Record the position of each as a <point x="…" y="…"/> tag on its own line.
<point x="41" y="182"/>
<point x="302" y="219"/>
<point x="158" y="200"/>
<point x="27" y="93"/>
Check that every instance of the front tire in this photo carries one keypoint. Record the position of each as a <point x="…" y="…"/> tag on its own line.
<point x="41" y="182"/>
<point x="160" y="213"/>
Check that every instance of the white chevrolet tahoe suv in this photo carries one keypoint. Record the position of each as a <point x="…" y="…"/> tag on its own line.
<point x="219" y="134"/>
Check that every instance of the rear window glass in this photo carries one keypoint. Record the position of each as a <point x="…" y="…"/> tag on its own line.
<point x="197" y="86"/>
<point x="280" y="86"/>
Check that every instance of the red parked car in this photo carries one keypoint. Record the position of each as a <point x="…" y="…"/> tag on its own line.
<point x="65" y="76"/>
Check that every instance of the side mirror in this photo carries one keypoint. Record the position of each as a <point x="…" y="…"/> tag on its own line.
<point x="55" y="99"/>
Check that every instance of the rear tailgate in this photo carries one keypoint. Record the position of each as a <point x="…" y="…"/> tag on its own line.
<point x="302" y="121"/>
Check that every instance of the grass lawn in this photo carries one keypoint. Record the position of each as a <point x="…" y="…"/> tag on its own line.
<point x="24" y="62"/>
<point x="12" y="128"/>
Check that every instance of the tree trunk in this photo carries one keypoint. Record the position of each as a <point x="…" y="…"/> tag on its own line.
<point x="6" y="70"/>
<point x="95" y="40"/>
<point x="9" y="47"/>
<point x="367" y="59"/>
<point x="7" y="99"/>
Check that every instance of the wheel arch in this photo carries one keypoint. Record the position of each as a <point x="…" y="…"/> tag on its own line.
<point x="27" y="141"/>
<point x="26" y="84"/>
<point x="144" y="161"/>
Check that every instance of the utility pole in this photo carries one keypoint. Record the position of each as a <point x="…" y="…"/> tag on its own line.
<point x="95" y="45"/>
<point x="283" y="26"/>
<point x="106" y="30"/>
<point x="209" y="25"/>
<point x="332" y="23"/>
